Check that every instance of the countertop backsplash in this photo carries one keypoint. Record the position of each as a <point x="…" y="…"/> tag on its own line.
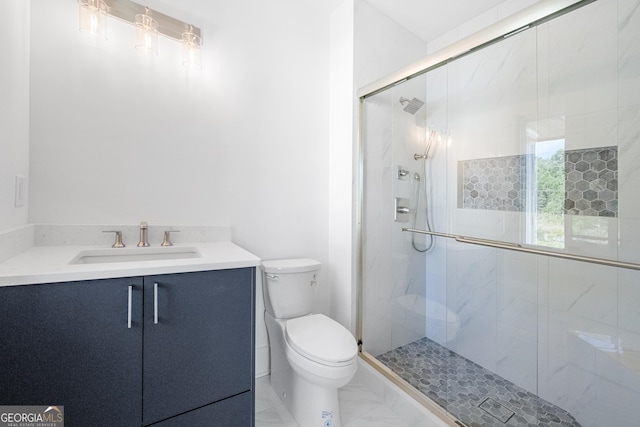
<point x="15" y="241"/>
<point x="82" y="235"/>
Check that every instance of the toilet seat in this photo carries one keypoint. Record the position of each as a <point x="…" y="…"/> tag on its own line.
<point x="321" y="339"/>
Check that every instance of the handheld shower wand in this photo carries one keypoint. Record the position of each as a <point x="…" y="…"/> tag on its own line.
<point x="424" y="156"/>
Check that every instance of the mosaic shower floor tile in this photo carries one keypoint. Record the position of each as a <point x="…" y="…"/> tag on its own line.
<point x="474" y="395"/>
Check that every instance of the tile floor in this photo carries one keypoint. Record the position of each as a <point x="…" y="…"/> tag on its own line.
<point x="359" y="407"/>
<point x="476" y="396"/>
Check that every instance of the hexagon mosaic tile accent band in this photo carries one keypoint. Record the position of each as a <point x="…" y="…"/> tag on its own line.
<point x="496" y="183"/>
<point x="501" y="183"/>
<point x="471" y="393"/>
<point x="591" y="183"/>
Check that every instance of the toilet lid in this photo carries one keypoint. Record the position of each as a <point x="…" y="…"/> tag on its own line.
<point x="321" y="339"/>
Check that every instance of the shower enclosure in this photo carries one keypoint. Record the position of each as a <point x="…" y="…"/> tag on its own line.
<point x="499" y="278"/>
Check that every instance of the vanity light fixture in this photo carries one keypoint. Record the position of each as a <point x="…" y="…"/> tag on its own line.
<point x="146" y="33"/>
<point x="191" y="49"/>
<point x="93" y="18"/>
<point x="148" y="23"/>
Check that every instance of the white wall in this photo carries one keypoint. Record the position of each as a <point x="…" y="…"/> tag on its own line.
<point x="341" y="250"/>
<point x="382" y="46"/>
<point x="117" y="137"/>
<point x="14" y="108"/>
<point x="365" y="46"/>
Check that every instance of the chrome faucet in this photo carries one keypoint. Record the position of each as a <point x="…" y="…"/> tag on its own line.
<point x="118" y="242"/>
<point x="167" y="237"/>
<point x="144" y="237"/>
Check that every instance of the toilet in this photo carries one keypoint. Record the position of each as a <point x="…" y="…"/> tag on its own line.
<point x="311" y="355"/>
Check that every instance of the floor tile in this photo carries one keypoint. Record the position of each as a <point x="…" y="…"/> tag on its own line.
<point x="471" y="393"/>
<point x="359" y="407"/>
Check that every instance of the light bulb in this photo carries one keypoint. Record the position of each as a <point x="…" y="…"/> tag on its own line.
<point x="191" y="49"/>
<point x="146" y="34"/>
<point x="93" y="18"/>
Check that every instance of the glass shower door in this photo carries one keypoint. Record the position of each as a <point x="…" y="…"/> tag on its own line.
<point x="531" y="143"/>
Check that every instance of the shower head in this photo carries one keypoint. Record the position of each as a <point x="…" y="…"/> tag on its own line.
<point x="411" y="105"/>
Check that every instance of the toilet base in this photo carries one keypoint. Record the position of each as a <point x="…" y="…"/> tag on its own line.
<point x="313" y="406"/>
<point x="310" y="404"/>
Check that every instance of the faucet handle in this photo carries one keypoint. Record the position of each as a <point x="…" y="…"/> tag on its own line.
<point x="167" y="237"/>
<point x="118" y="243"/>
<point x="144" y="235"/>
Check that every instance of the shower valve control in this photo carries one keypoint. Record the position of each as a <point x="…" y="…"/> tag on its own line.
<point x="401" y="211"/>
<point x="403" y="173"/>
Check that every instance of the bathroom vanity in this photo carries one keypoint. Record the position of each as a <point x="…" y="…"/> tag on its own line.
<point x="168" y="349"/>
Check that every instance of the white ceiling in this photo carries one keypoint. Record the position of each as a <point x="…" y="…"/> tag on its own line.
<point x="427" y="19"/>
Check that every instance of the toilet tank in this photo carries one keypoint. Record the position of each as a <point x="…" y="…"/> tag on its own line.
<point x="289" y="286"/>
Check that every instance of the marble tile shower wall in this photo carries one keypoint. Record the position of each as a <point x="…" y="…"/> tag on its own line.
<point x="590" y="175"/>
<point x="377" y="235"/>
<point x="562" y="328"/>
<point x="407" y="266"/>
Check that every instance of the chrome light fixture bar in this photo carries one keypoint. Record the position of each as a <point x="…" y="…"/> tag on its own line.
<point x="148" y="23"/>
<point x="126" y="10"/>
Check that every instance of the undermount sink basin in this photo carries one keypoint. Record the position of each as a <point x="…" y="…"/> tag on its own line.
<point x="102" y="256"/>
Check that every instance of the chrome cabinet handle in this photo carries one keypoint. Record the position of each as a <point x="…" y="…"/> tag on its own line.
<point x="129" y="307"/>
<point x="155" y="303"/>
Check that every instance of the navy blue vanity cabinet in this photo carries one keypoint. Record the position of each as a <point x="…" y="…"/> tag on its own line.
<point x="198" y="363"/>
<point x="168" y="350"/>
<point x="73" y="344"/>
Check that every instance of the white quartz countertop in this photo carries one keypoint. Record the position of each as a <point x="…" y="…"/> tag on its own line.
<point x="47" y="264"/>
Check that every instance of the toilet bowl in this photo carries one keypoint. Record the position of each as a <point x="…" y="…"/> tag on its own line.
<point x="311" y="355"/>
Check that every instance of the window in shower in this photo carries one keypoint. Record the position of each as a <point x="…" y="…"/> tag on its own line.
<point x="547" y="186"/>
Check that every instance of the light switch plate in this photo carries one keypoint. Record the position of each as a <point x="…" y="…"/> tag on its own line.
<point x="21" y="190"/>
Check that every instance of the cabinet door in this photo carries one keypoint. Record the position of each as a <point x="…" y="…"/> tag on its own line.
<point x="70" y="344"/>
<point x="201" y="348"/>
